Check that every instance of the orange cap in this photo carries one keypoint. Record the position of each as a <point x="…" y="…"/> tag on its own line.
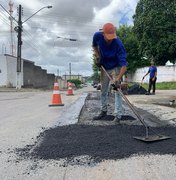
<point x="109" y="31"/>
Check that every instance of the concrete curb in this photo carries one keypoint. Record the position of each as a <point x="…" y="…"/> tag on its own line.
<point x="71" y="114"/>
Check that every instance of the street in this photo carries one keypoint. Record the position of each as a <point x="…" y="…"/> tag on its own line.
<point x="24" y="115"/>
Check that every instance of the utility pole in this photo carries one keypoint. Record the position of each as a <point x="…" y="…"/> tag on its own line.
<point x="58" y="72"/>
<point x="19" y="30"/>
<point x="70" y="70"/>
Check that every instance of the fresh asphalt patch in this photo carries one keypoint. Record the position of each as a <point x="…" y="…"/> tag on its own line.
<point x="98" y="142"/>
<point x="91" y="143"/>
<point x="111" y="118"/>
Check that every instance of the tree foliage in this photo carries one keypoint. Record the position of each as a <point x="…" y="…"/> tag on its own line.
<point x="77" y="82"/>
<point x="96" y="75"/>
<point x="126" y="34"/>
<point x="155" y="27"/>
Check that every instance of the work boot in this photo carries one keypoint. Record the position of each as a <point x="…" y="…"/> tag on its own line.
<point x="100" y="116"/>
<point x="117" y="119"/>
<point x="147" y="93"/>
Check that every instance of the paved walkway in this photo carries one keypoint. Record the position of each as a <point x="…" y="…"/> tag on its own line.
<point x="158" y="105"/>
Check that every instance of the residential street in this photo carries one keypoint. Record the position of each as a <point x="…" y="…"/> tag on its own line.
<point x="111" y="114"/>
<point x="31" y="132"/>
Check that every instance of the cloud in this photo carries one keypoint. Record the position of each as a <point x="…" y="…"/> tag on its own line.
<point x="70" y="20"/>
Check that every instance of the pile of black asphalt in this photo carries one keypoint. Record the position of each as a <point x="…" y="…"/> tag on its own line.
<point x="93" y="142"/>
<point x="136" y="89"/>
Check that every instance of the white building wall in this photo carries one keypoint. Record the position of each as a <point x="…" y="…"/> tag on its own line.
<point x="8" y="75"/>
<point x="62" y="84"/>
<point x="3" y="70"/>
<point x="11" y="71"/>
<point x="164" y="74"/>
<point x="167" y="74"/>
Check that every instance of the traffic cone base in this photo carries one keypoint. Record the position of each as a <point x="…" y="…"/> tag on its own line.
<point x="56" y="105"/>
<point x="70" y="91"/>
<point x="56" y="101"/>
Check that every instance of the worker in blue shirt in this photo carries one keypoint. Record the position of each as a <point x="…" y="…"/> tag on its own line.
<point x="152" y="79"/>
<point x="111" y="54"/>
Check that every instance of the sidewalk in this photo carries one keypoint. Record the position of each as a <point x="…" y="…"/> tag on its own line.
<point x="158" y="105"/>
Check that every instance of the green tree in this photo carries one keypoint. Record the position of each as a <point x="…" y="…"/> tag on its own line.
<point x="96" y="75"/>
<point x="77" y="82"/>
<point x="155" y="27"/>
<point x="129" y="39"/>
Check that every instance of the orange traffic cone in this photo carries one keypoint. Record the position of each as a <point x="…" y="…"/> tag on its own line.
<point x="56" y="99"/>
<point x="70" y="91"/>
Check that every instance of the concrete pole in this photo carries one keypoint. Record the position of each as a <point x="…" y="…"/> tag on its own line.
<point x="19" y="29"/>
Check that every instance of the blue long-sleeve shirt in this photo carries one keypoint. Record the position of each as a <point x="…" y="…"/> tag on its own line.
<point x="113" y="54"/>
<point x="152" y="70"/>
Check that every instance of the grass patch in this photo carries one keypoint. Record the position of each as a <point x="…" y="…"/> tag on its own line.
<point x="160" y="86"/>
<point x="166" y="85"/>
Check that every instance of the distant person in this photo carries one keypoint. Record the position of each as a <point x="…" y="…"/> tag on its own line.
<point x="152" y="79"/>
<point x="110" y="53"/>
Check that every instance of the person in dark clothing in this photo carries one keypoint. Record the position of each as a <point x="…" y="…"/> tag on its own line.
<point x="110" y="53"/>
<point x="153" y="77"/>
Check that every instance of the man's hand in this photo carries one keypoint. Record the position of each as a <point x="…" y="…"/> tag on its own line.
<point x="116" y="85"/>
<point x="153" y="79"/>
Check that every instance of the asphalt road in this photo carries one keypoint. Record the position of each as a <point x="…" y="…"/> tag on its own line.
<point x="24" y="116"/>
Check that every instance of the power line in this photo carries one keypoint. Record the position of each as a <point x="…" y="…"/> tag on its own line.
<point x="5" y="19"/>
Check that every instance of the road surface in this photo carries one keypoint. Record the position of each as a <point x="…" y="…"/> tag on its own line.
<point x="24" y="115"/>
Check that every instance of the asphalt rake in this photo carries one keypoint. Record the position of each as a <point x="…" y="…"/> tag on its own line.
<point x="147" y="138"/>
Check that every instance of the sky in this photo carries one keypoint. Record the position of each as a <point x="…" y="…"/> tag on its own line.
<point x="46" y="35"/>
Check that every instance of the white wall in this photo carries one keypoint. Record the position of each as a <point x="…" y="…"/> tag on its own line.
<point x="164" y="74"/>
<point x="167" y="73"/>
<point x="11" y="71"/>
<point x="3" y="70"/>
<point x="8" y="75"/>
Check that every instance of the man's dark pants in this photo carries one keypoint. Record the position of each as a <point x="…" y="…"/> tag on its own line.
<point x="152" y="83"/>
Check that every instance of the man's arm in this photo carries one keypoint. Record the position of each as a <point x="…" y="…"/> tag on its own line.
<point x="145" y="75"/>
<point x="122" y="72"/>
<point x="97" y="56"/>
<point x="121" y="56"/>
<point x="96" y="51"/>
<point x="96" y="47"/>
